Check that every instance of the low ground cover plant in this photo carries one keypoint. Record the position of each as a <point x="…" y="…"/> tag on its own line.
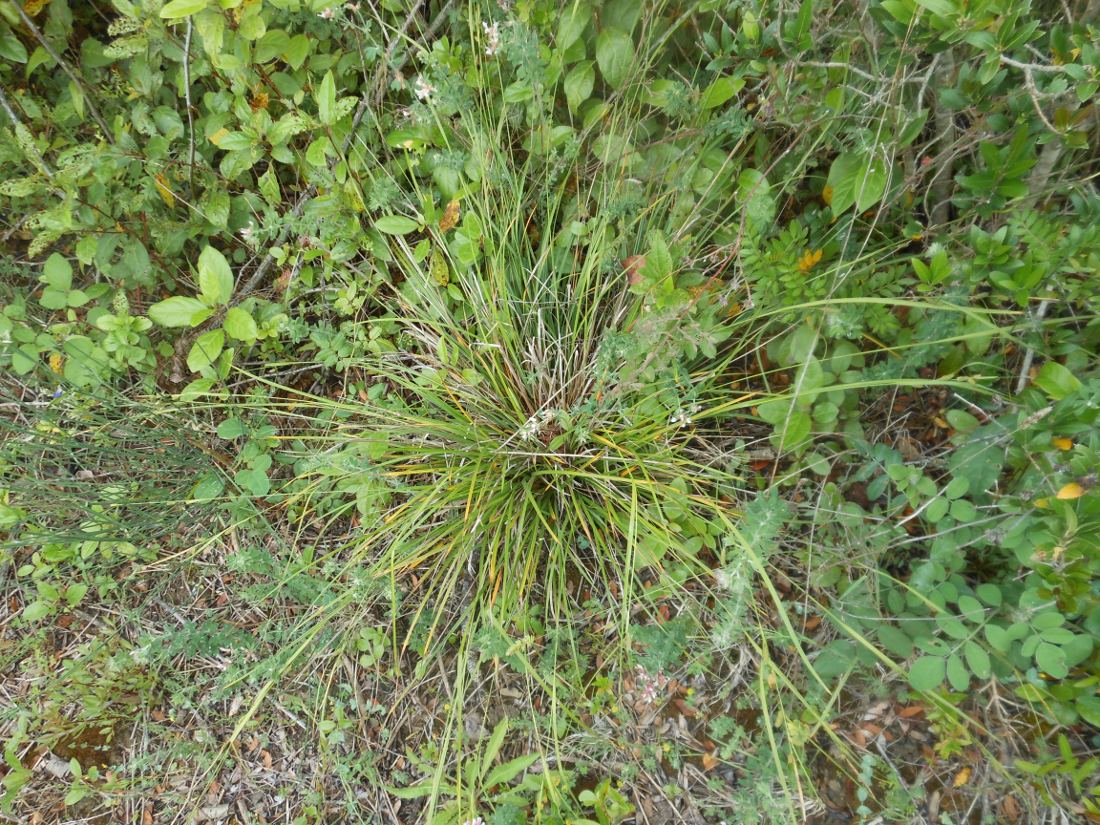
<point x="549" y="411"/>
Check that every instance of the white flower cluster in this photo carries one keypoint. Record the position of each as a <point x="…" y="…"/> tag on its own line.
<point x="423" y="88"/>
<point x="649" y="685"/>
<point x="492" y="37"/>
<point x="533" y="425"/>
<point x="683" y="415"/>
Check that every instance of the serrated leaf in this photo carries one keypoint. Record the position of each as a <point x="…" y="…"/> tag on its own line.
<point x="58" y="272"/>
<point x="239" y="324"/>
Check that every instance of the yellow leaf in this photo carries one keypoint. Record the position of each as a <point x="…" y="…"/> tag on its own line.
<point x="441" y="273"/>
<point x="1071" y="491"/>
<point x="809" y="259"/>
<point x="164" y="189"/>
<point x="961" y="778"/>
<point x="218" y="135"/>
<point x="1062" y="443"/>
<point x="450" y="217"/>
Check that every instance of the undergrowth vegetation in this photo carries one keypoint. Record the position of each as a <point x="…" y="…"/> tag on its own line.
<point x="549" y="411"/>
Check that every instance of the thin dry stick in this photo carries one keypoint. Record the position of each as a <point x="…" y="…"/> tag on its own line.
<point x="187" y="100"/>
<point x="944" y="119"/>
<point x="1029" y="356"/>
<point x="96" y="116"/>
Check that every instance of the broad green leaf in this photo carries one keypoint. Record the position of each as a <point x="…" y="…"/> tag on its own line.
<point x="1056" y="381"/>
<point x="205" y="350"/>
<point x="493" y="746"/>
<point x="58" y="272"/>
<point x="182" y="8"/>
<point x="297" y="51"/>
<point x="215" y="206"/>
<point x="326" y="100"/>
<point x="936" y="509"/>
<point x="231" y="428"/>
<point x="658" y="260"/>
<point x="415" y="791"/>
<point x="755" y="196"/>
<point x="957" y="674"/>
<point x="579" y="83"/>
<point x="795" y="430"/>
<point x="1051" y="659"/>
<point x="720" y="91"/>
<point x="572" y="23"/>
<point x="395" y="225"/>
<point x="944" y="8"/>
<point x="209" y="488"/>
<point x="84" y="362"/>
<point x="977" y="659"/>
<point x="231" y="141"/>
<point x="179" y="311"/>
<point x="895" y="641"/>
<point x="239" y="324"/>
<point x="510" y="770"/>
<point x="54" y="298"/>
<point x="1089" y="708"/>
<point x="872" y="181"/>
<point x="614" y="54"/>
<point x="927" y="672"/>
<point x="11" y="48"/>
<point x="215" y="278"/>
<point x="36" y="610"/>
<point x="196" y="389"/>
<point x="518" y="92"/>
<point x="842" y="181"/>
<point x="254" y="481"/>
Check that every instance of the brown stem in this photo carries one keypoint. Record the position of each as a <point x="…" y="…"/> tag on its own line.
<point x="944" y="121"/>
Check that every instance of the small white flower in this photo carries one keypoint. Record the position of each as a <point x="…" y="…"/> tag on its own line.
<point x="326" y="14"/>
<point x="492" y="36"/>
<point x="423" y="89"/>
<point x="351" y="6"/>
<point x="248" y="233"/>
<point x="477" y="820"/>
